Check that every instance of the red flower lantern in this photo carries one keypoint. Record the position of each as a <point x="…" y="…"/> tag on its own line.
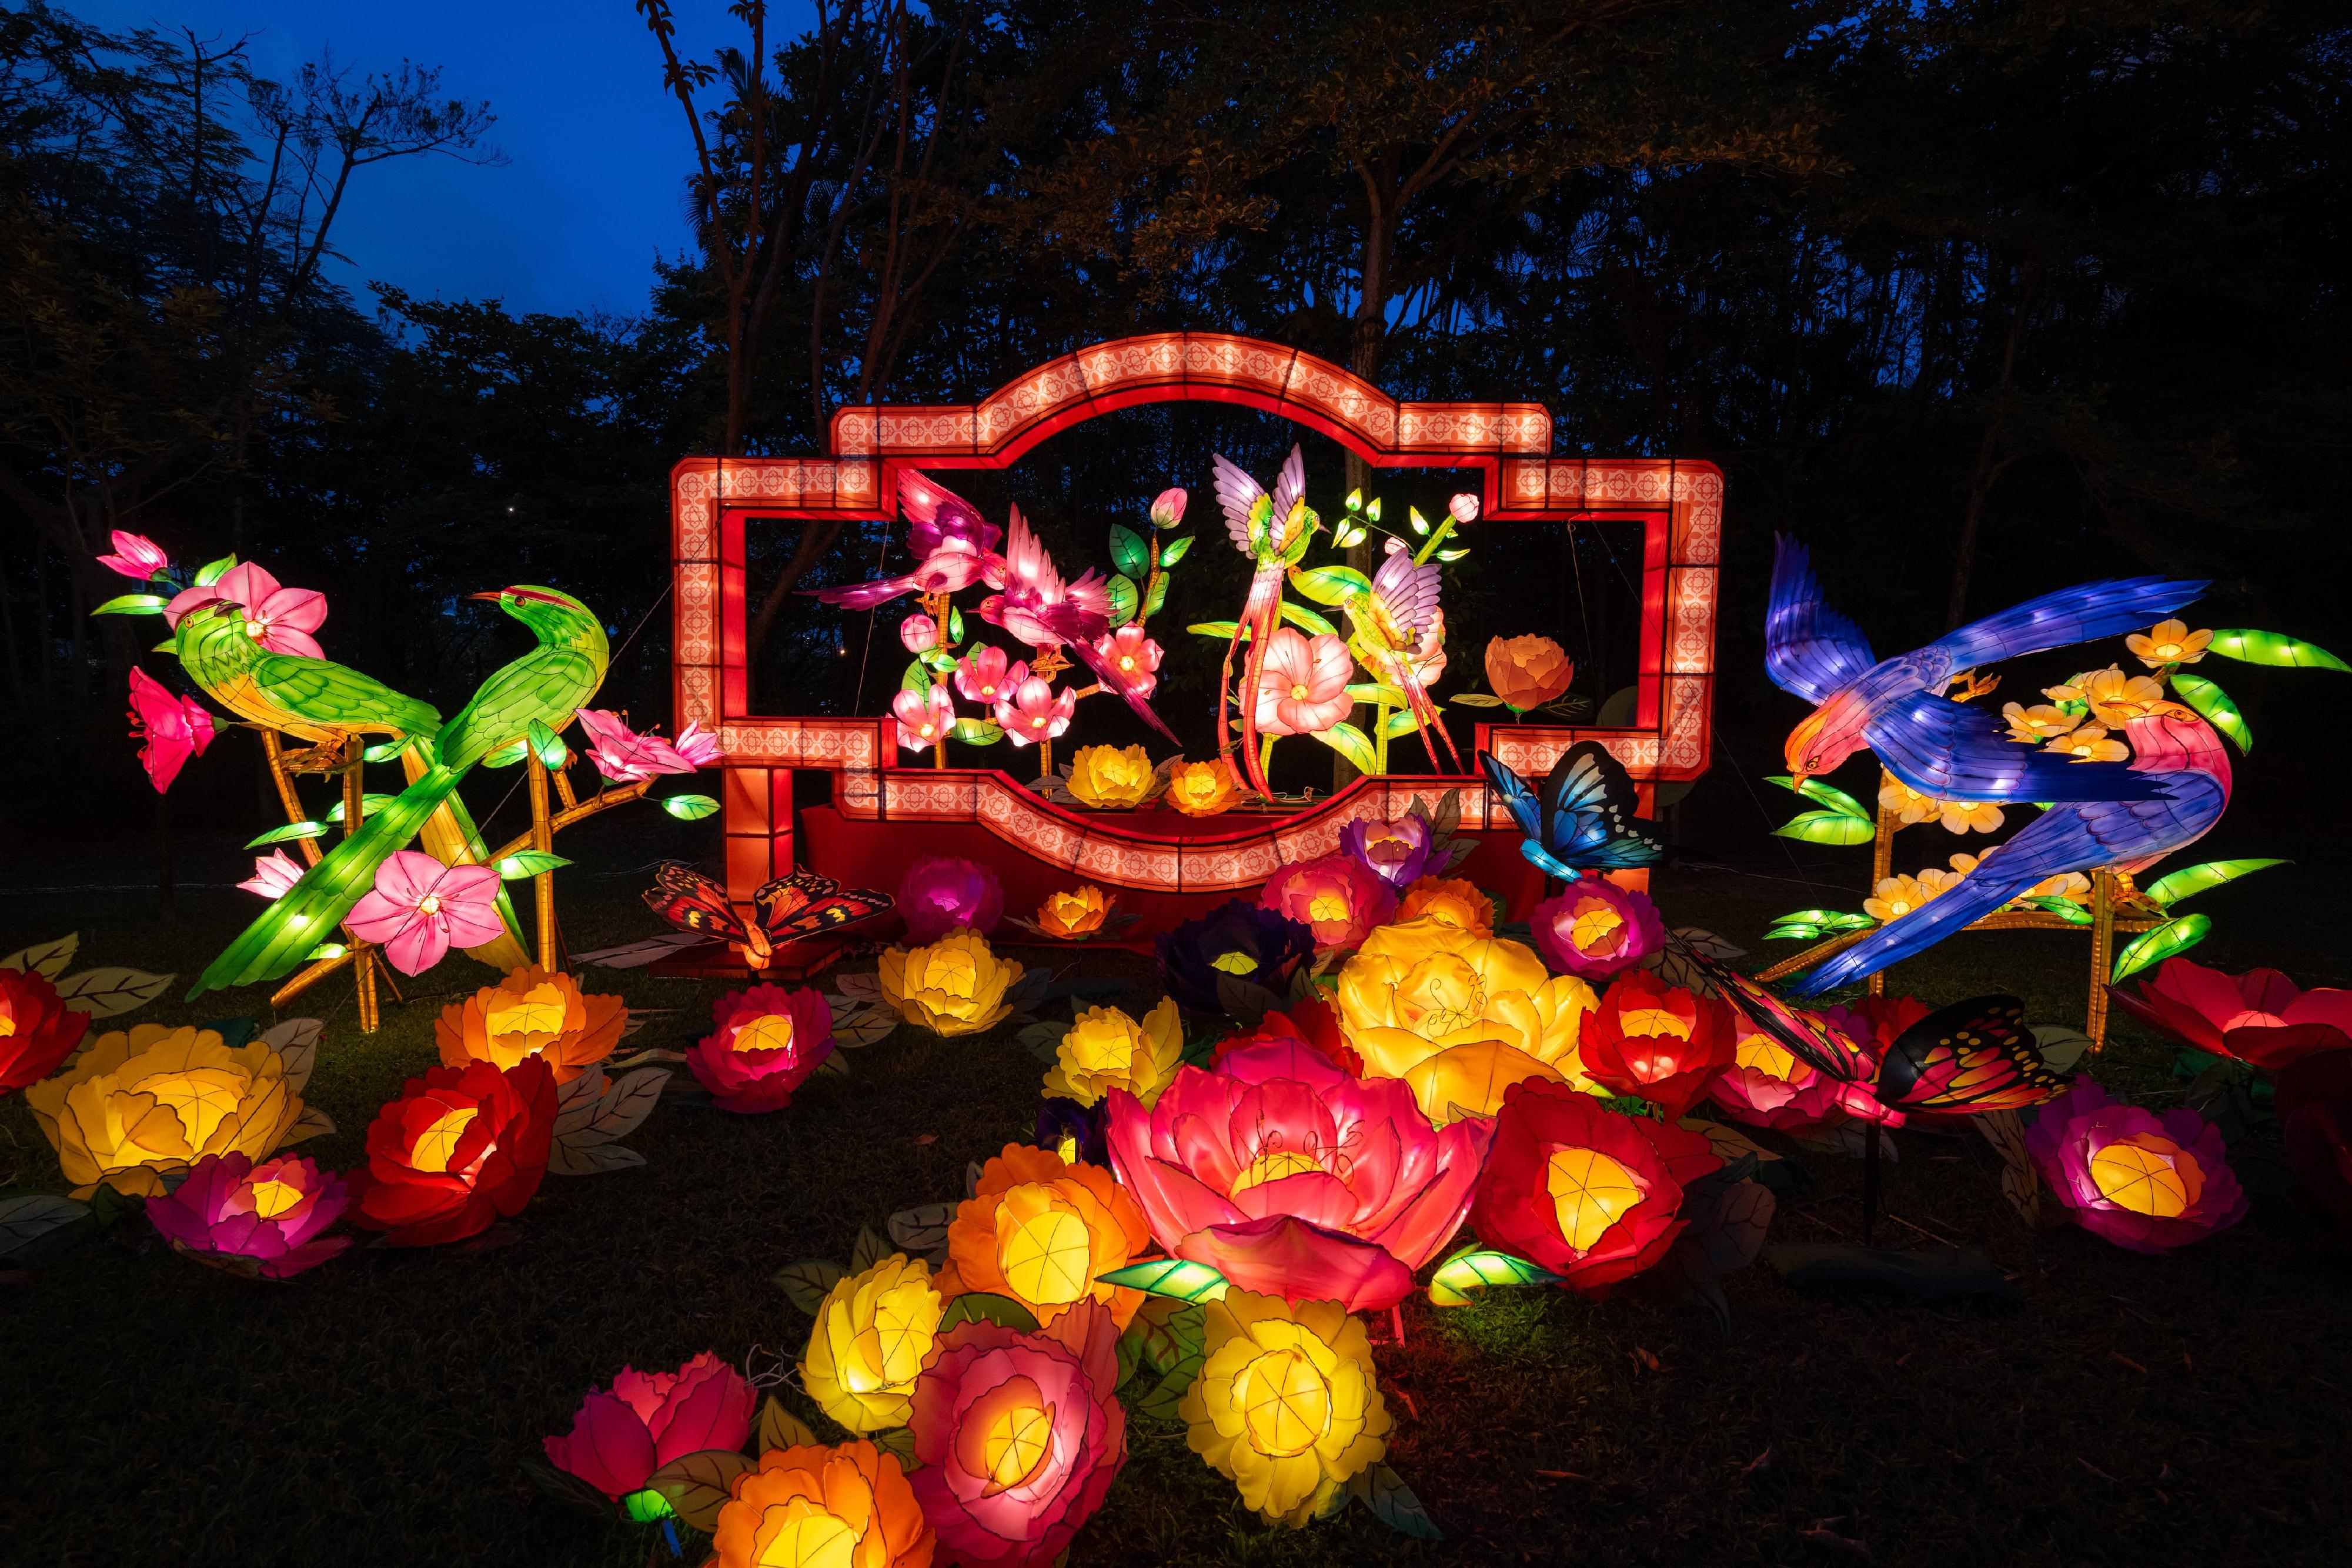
<point x="460" y="1147"/>
<point x="1658" y="1041"/>
<point x="1586" y="1192"/>
<point x="37" y="1030"/>
<point x="2261" y="1018"/>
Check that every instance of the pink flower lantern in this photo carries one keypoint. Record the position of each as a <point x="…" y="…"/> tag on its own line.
<point x="273" y="877"/>
<point x="2147" y="1182"/>
<point x="1132" y="659"/>
<point x="1294" y="1179"/>
<point x="134" y="557"/>
<point x="1303" y="688"/>
<point x="625" y="756"/>
<point x="171" y="729"/>
<point x="1767" y="1086"/>
<point x="985" y="676"/>
<point x="1594" y="929"/>
<point x="2261" y="1017"/>
<point x="919" y="633"/>
<point x="924" y="719"/>
<point x="420" y="906"/>
<point x="265" y="1220"/>
<point x="281" y="618"/>
<point x="763" y="1044"/>
<point x="1337" y="896"/>
<point x="1036" y="713"/>
<point x="940" y="893"/>
<point x="624" y="1434"/>
<point x="1018" y="1436"/>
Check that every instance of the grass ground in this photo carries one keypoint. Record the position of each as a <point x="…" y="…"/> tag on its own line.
<point x="2137" y="1410"/>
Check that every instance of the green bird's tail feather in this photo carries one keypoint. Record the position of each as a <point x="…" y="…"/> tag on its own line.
<point x="312" y="908"/>
<point x="450" y="837"/>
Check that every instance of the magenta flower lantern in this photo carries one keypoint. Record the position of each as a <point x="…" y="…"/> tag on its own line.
<point x="2141" y="1180"/>
<point x="171" y="730"/>
<point x="622" y="1435"/>
<point x="263" y="1219"/>
<point x="763" y="1044"/>
<point x="1335" y="896"/>
<point x="940" y="893"/>
<point x="1594" y="929"/>
<point x="1397" y="852"/>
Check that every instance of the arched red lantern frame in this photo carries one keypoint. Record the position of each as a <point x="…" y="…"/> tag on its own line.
<point x="1166" y="867"/>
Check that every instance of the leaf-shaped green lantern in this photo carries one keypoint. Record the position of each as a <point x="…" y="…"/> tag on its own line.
<point x="2216" y="707"/>
<point x="2250" y="647"/>
<point x="2155" y="947"/>
<point x="2190" y="881"/>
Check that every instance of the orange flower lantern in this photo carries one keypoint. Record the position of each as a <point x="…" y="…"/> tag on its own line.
<point x="1044" y="1232"/>
<point x="809" y="1507"/>
<point x="532" y="1012"/>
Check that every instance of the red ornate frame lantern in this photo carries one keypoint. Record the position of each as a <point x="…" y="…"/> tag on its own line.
<point x="1166" y="867"/>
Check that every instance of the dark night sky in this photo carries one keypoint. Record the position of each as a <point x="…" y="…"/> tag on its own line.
<point x="593" y="190"/>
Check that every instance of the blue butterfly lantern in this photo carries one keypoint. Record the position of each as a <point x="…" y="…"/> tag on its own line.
<point x="1581" y="820"/>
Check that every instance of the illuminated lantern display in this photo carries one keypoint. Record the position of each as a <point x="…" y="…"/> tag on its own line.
<point x="37" y="1030"/>
<point x="419" y="907"/>
<point x="1286" y="1405"/>
<point x="279" y="619"/>
<point x="1767" y="1086"/>
<point x="1044" y="1232"/>
<point x="135" y="557"/>
<point x="169" y="729"/>
<point x="1107" y="1049"/>
<point x="136" y="1106"/>
<point x="764" y="1042"/>
<point x="1595" y="930"/>
<point x="1074" y="915"/>
<point x="940" y="893"/>
<point x="1203" y="788"/>
<point x="1527" y="672"/>
<point x="984" y="676"/>
<point x="1451" y="901"/>
<point x="873" y="1334"/>
<point x="1304" y="687"/>
<point x="1018" y="1436"/>
<point x="622" y="1435"/>
<point x="1398" y="852"/>
<point x="274" y="876"/>
<point x="460" y="1147"/>
<point x="1239" y="938"/>
<point x="1659" y="1041"/>
<point x="1130" y="660"/>
<point x="1582" y="1190"/>
<point x="263" y="1219"/>
<point x="801" y="1507"/>
<point x="1459" y="1017"/>
<point x="2259" y="1018"/>
<point x="2147" y="1182"/>
<point x="531" y="1012"/>
<point x="955" y="986"/>
<point x="2315" y="1112"/>
<point x="1111" y="778"/>
<point x="1310" y="1023"/>
<point x="924" y="719"/>
<point x="1289" y="1176"/>
<point x="625" y="756"/>
<point x="1035" y="712"/>
<point x="1336" y="896"/>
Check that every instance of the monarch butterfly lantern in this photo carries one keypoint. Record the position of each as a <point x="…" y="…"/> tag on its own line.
<point x="792" y="908"/>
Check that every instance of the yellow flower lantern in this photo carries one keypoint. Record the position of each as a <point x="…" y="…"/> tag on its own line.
<point x="1044" y="1231"/>
<point x="1459" y="1016"/>
<point x="1203" y="788"/>
<point x="531" y="1012"/>
<point x="873" y="1334"/>
<point x="1079" y="913"/>
<point x="136" y="1105"/>
<point x="1286" y="1405"/>
<point x="955" y="986"/>
<point x="1111" y="776"/>
<point x="1107" y="1049"/>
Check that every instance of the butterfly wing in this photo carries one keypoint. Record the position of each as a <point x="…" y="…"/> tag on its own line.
<point x="1801" y="1034"/>
<point x="1973" y="1056"/>
<point x="1517" y="798"/>
<point x="804" y="903"/>
<point x="692" y="902"/>
<point x="1588" y="813"/>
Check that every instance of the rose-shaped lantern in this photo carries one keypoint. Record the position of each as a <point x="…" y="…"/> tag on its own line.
<point x="1595" y="930"/>
<point x="1767" y="1086"/>
<point x="1459" y="1016"/>
<point x="2261" y="1017"/>
<point x="1110" y="778"/>
<point x="1527" y="672"/>
<point x="1239" y="938"/>
<point x="764" y="1042"/>
<point x="622" y="1435"/>
<point x="1336" y="896"/>
<point x="1107" y="1049"/>
<point x="1450" y="902"/>
<point x="1658" y="1041"/>
<point x="1289" y="1177"/>
<point x="137" y="1106"/>
<point x="1584" y="1191"/>
<point x="1044" y="1232"/>
<point x="2143" y="1181"/>
<point x="263" y="1219"/>
<point x="939" y="893"/>
<point x="532" y="1012"/>
<point x="460" y="1147"/>
<point x="1071" y="916"/>
<point x="37" y="1030"/>
<point x="955" y="986"/>
<point x="1286" y="1405"/>
<point x="873" y="1334"/>
<point x="1397" y="852"/>
<point x="1018" y="1436"/>
<point x="1203" y="788"/>
<point x="805" y="1507"/>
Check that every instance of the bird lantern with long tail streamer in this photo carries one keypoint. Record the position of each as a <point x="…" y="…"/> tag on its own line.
<point x="1163" y="862"/>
